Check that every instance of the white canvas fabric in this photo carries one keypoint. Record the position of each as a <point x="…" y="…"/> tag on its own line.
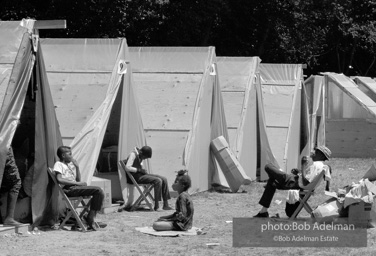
<point x="181" y="109"/>
<point x="19" y="55"/>
<point x="244" y="112"/>
<point x="282" y="89"/>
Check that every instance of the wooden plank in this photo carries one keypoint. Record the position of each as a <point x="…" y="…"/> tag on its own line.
<point x="233" y="105"/>
<point x="50" y="24"/>
<point x="233" y="82"/>
<point x="277" y="109"/>
<point x="168" y="150"/>
<point x="277" y="139"/>
<point x="76" y="98"/>
<point x="167" y="101"/>
<point x="348" y="138"/>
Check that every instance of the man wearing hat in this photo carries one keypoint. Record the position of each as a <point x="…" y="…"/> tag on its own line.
<point x="286" y="181"/>
<point x="133" y="164"/>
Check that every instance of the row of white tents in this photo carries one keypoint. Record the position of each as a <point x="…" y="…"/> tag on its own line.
<point x="103" y="98"/>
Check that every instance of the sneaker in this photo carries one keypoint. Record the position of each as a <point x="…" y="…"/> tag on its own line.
<point x="261" y="215"/>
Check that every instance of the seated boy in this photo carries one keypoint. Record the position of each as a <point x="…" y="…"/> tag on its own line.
<point x="68" y="174"/>
<point x="133" y="164"/>
<point x="182" y="218"/>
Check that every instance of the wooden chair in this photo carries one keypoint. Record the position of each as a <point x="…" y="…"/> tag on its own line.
<point x="73" y="203"/>
<point x="305" y="193"/>
<point x="143" y="189"/>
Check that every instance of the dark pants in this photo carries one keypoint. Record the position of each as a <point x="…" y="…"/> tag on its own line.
<point x="277" y="180"/>
<point x="11" y="178"/>
<point x="94" y="191"/>
<point x="160" y="186"/>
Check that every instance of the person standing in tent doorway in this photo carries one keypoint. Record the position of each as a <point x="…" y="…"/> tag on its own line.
<point x="133" y="164"/>
<point x="68" y="174"/>
<point x="286" y="181"/>
<point x="11" y="183"/>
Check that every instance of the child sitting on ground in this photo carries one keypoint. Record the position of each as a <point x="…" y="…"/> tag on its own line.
<point x="182" y="218"/>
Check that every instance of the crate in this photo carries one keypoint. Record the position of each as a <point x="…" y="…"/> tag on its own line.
<point x="360" y="214"/>
<point x="106" y="186"/>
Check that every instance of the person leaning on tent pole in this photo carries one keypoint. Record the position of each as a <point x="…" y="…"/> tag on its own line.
<point x="285" y="181"/>
<point x="133" y="164"/>
<point x="12" y="184"/>
<point x="68" y="174"/>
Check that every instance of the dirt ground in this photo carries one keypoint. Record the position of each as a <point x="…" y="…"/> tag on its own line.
<point x="212" y="210"/>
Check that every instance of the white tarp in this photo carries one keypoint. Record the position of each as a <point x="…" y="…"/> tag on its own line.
<point x="244" y="112"/>
<point x="282" y="89"/>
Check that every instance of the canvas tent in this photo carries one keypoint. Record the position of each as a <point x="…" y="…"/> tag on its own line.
<point x="316" y="106"/>
<point x="182" y="110"/>
<point x="367" y="85"/>
<point x="286" y="113"/>
<point x="27" y="119"/>
<point x="91" y="81"/>
<point x="244" y="110"/>
<point x="349" y="116"/>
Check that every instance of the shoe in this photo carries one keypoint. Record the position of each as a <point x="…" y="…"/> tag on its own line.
<point x="102" y="225"/>
<point x="167" y="208"/>
<point x="90" y="223"/>
<point x="262" y="215"/>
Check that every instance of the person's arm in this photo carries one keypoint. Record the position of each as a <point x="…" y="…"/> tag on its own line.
<point x="63" y="181"/>
<point x="128" y="166"/>
<point x="58" y="171"/>
<point x="78" y="173"/>
<point x="182" y="210"/>
<point x="170" y="217"/>
<point x="130" y="162"/>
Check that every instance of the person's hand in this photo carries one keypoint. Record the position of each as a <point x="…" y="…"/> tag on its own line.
<point x="74" y="162"/>
<point x="143" y="171"/>
<point x="295" y="171"/>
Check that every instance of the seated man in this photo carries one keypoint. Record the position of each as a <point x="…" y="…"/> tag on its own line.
<point x="68" y="174"/>
<point x="11" y="183"/>
<point x="133" y="164"/>
<point x="285" y="181"/>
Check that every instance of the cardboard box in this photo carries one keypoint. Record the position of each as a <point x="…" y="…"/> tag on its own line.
<point x="360" y="214"/>
<point x="106" y="186"/>
<point x="329" y="209"/>
<point x="229" y="164"/>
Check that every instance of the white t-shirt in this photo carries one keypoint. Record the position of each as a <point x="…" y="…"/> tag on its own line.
<point x="313" y="170"/>
<point x="68" y="171"/>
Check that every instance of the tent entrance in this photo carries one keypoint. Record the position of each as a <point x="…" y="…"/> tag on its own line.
<point x="106" y="167"/>
<point x="23" y="144"/>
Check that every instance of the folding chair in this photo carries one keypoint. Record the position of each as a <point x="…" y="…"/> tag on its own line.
<point x="305" y="194"/>
<point x="143" y="189"/>
<point x="73" y="203"/>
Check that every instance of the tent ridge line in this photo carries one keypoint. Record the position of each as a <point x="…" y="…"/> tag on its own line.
<point x="171" y="72"/>
<point x="277" y="84"/>
<point x="166" y="130"/>
<point x="78" y="72"/>
<point x="276" y="126"/>
<point x="233" y="91"/>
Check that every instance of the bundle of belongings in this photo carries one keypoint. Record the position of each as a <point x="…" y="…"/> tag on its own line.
<point x="354" y="201"/>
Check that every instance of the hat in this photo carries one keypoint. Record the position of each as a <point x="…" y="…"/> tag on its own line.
<point x="327" y="153"/>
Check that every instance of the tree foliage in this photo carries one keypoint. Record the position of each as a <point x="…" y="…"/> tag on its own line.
<point x="327" y="35"/>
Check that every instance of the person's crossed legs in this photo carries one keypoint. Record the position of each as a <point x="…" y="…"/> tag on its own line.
<point x="277" y="180"/>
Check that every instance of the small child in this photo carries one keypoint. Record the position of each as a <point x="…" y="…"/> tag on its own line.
<point x="182" y="218"/>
